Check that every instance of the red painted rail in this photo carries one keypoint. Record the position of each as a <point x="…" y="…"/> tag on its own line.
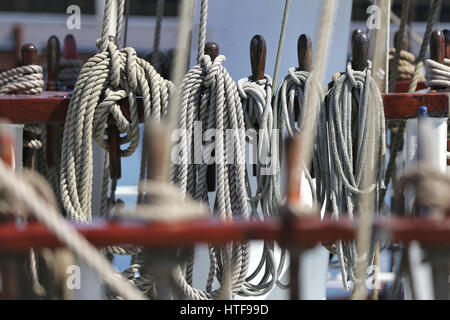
<point x="51" y="107"/>
<point x="301" y="232"/>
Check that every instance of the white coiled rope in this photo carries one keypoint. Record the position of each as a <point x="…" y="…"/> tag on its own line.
<point x="343" y="186"/>
<point x="105" y="79"/>
<point x="210" y="96"/>
<point x="438" y="74"/>
<point x="256" y="97"/>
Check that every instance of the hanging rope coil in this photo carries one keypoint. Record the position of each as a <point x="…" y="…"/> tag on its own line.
<point x="348" y="149"/>
<point x="105" y="79"/>
<point x="405" y="70"/>
<point x="297" y="85"/>
<point x="256" y="97"/>
<point x="210" y="96"/>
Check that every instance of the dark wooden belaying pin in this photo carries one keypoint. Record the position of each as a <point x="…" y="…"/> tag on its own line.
<point x="53" y="56"/>
<point x="437" y="49"/>
<point x="115" y="166"/>
<point x="70" y="47"/>
<point x="212" y="50"/>
<point x="53" y="130"/>
<point x="304" y="53"/>
<point x="258" y="63"/>
<point x="29" y="56"/>
<point x="258" y="57"/>
<point x="360" y="50"/>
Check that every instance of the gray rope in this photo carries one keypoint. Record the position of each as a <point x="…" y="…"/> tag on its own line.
<point x="343" y="186"/>
<point x="256" y="97"/>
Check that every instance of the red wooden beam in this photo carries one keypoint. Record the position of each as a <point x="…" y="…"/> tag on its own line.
<point x="402" y="86"/>
<point x="406" y="105"/>
<point x="51" y="107"/>
<point x="305" y="231"/>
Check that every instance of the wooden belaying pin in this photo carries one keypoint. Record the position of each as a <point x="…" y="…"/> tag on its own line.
<point x="258" y="57"/>
<point x="405" y="42"/>
<point x="304" y="56"/>
<point x="6" y="144"/>
<point x="70" y="47"/>
<point x="53" y="56"/>
<point x="437" y="49"/>
<point x="447" y="43"/>
<point x="360" y="50"/>
<point x="29" y="56"/>
<point x="304" y="53"/>
<point x="212" y="50"/>
<point x="258" y="64"/>
<point x="53" y="130"/>
<point x="115" y="167"/>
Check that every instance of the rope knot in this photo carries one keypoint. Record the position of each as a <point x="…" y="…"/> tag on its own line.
<point x="212" y="69"/>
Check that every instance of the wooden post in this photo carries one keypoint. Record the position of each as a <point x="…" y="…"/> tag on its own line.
<point x="360" y="50"/>
<point x="70" y="47"/>
<point x="304" y="50"/>
<point x="437" y="49"/>
<point x="29" y="55"/>
<point x="258" y="64"/>
<point x="211" y="49"/>
<point x="53" y="56"/>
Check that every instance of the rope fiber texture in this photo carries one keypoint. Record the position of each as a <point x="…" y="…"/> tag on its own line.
<point x="438" y="74"/>
<point x="107" y="78"/>
<point x="347" y="124"/>
<point x="256" y="97"/>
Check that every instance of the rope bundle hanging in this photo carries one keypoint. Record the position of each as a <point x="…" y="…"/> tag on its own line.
<point x="348" y="140"/>
<point x="256" y="94"/>
<point x="296" y="88"/>
<point x="105" y="79"/>
<point x="405" y="70"/>
<point x="210" y="96"/>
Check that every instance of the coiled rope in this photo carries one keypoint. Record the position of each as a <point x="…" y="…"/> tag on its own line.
<point x="297" y="85"/>
<point x="405" y="69"/>
<point x="210" y="96"/>
<point x="105" y="79"/>
<point x="438" y="74"/>
<point x="343" y="187"/>
<point x="256" y="97"/>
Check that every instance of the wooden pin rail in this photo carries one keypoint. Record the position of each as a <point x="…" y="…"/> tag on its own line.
<point x="304" y="232"/>
<point x="51" y="107"/>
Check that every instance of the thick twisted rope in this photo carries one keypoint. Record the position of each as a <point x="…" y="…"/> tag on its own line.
<point x="24" y="198"/>
<point x="405" y="69"/>
<point x="348" y="149"/>
<point x="256" y="97"/>
<point x="210" y="96"/>
<point x="438" y="74"/>
<point x="22" y="80"/>
<point x="105" y="79"/>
